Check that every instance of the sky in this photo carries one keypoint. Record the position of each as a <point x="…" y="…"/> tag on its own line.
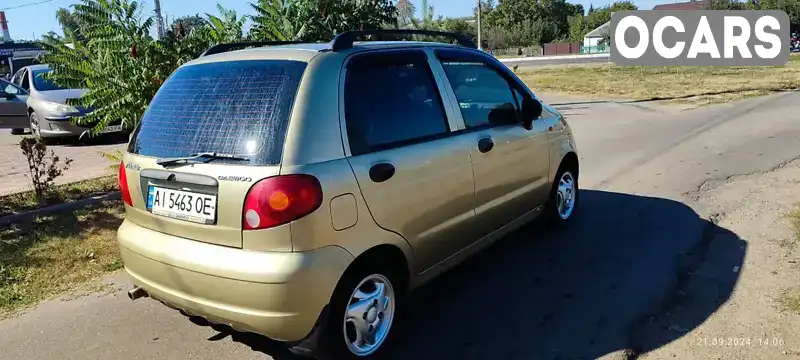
<point x="33" y="21"/>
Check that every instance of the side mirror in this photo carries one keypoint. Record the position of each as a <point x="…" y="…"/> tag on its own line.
<point x="531" y="110"/>
<point x="10" y="92"/>
<point x="505" y="114"/>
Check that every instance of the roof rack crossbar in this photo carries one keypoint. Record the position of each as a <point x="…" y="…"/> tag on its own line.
<point x="345" y="40"/>
<point x="221" y="48"/>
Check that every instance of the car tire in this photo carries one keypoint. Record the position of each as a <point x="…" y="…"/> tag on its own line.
<point x="17" y="131"/>
<point x="34" y="126"/>
<point x="376" y="318"/>
<point x="563" y="200"/>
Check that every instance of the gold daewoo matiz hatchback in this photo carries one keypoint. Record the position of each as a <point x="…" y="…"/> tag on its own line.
<point x="298" y="191"/>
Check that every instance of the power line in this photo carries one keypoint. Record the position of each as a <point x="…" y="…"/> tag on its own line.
<point x="26" y="5"/>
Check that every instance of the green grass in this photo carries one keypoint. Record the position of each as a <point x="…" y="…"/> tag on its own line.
<point x="55" y="254"/>
<point x="685" y="84"/>
<point x="25" y="201"/>
<point x="794" y="220"/>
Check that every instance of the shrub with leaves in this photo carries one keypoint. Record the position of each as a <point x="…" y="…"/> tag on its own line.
<point x="317" y="20"/>
<point x="44" y="166"/>
<point x="116" y="59"/>
<point x="107" y="48"/>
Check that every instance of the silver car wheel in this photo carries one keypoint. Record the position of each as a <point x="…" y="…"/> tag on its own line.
<point x="35" y="129"/>
<point x="565" y="195"/>
<point x="368" y="317"/>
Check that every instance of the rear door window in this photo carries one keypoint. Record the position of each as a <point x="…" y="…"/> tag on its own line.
<point x="484" y="96"/>
<point x="239" y="108"/>
<point x="392" y="100"/>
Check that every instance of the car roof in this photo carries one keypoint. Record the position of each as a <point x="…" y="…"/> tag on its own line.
<point x="37" y="67"/>
<point x="307" y="51"/>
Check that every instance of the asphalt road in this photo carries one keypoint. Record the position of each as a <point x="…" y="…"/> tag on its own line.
<point x="571" y="294"/>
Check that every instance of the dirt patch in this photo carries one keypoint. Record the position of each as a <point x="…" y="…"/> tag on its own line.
<point x="761" y="319"/>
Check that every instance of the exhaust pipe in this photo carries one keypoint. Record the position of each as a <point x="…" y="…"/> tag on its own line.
<point x="136" y="293"/>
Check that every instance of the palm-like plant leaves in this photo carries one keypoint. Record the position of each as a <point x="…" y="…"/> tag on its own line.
<point x="119" y="63"/>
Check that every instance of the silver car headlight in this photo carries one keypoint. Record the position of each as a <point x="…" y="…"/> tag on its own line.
<point x="58" y="108"/>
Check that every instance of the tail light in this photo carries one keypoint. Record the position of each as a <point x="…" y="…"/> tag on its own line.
<point x="281" y="199"/>
<point x="123" y="185"/>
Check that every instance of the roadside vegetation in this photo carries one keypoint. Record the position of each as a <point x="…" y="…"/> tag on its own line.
<point x="697" y="85"/>
<point x="57" y="253"/>
<point x="794" y="219"/>
<point x="789" y="300"/>
<point x="26" y="201"/>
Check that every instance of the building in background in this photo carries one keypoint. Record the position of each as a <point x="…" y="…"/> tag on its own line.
<point x="593" y="41"/>
<point x="13" y="56"/>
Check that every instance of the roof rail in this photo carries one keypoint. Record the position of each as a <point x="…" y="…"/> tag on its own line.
<point x="221" y="48"/>
<point x="346" y="39"/>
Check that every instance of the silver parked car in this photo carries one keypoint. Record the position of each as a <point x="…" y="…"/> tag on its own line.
<point x="46" y="112"/>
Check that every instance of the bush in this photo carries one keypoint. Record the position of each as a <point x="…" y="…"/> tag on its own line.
<point x="44" y="167"/>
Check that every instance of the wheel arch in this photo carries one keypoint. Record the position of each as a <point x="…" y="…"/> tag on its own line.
<point x="381" y="255"/>
<point x="570" y="161"/>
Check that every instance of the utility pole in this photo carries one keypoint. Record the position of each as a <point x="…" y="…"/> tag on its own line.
<point x="480" y="42"/>
<point x="159" y="19"/>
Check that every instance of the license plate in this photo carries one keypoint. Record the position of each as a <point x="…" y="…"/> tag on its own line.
<point x="112" y="128"/>
<point x="182" y="205"/>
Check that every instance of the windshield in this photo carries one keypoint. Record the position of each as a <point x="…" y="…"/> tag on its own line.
<point x="42" y="84"/>
<point x="240" y="108"/>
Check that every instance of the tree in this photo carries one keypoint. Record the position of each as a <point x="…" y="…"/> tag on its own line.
<point x="189" y="23"/>
<point x="623" y="6"/>
<point x="460" y="25"/>
<point x="428" y="13"/>
<point x="791" y="7"/>
<point x="577" y="28"/>
<point x="405" y="12"/>
<point x="120" y="64"/>
<point x="318" y="20"/>
<point x="69" y="25"/>
<point x="226" y="28"/>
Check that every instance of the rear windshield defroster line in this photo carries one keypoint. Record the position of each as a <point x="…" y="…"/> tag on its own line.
<point x="237" y="107"/>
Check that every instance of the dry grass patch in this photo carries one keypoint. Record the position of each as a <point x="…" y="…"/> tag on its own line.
<point x="56" y="253"/>
<point x="790" y="299"/>
<point x="25" y="201"/>
<point x="794" y="220"/>
<point x="708" y="84"/>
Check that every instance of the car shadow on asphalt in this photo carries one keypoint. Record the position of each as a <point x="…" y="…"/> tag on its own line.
<point x="573" y="293"/>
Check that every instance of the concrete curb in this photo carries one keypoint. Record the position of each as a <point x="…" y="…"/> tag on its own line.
<point x="8" y="219"/>
<point x="557" y="57"/>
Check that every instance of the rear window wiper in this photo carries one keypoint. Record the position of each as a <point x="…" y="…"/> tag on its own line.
<point x="200" y="157"/>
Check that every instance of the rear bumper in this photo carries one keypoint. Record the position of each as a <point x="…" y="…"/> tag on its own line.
<point x="279" y="295"/>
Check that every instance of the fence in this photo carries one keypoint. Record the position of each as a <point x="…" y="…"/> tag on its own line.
<point x="561" y="48"/>
<point x="595" y="49"/>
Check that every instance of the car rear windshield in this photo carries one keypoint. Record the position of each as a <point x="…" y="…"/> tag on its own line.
<point x="237" y="108"/>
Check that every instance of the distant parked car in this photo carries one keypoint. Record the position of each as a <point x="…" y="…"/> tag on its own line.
<point x="46" y="113"/>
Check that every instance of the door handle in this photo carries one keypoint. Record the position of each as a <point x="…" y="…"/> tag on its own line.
<point x="485" y="145"/>
<point x="381" y="172"/>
